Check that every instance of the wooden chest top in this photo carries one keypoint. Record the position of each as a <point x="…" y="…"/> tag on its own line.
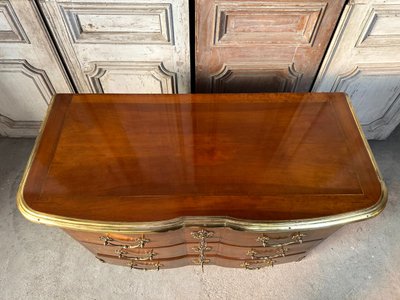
<point x="155" y="162"/>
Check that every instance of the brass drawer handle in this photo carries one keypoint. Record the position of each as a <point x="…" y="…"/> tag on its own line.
<point x="146" y="256"/>
<point x="202" y="235"/>
<point x="198" y="249"/>
<point x="144" y="266"/>
<point x="138" y="243"/>
<point x="280" y="252"/>
<point x="297" y="238"/>
<point x="257" y="264"/>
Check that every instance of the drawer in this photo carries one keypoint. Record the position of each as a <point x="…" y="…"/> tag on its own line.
<point x="155" y="264"/>
<point x="189" y="249"/>
<point x="141" y="253"/>
<point x="262" y="252"/>
<point x="109" y="243"/>
<point x="147" y="240"/>
<point x="251" y="264"/>
<point x="256" y="264"/>
<point x="229" y="251"/>
<point x="257" y="239"/>
<point x="189" y="260"/>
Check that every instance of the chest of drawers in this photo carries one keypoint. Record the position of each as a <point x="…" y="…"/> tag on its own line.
<point x="235" y="180"/>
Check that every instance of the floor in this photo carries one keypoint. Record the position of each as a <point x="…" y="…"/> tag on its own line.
<point x="360" y="261"/>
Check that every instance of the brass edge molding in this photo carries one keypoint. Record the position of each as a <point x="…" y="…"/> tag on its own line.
<point x="384" y="193"/>
<point x="173" y="224"/>
<point x="366" y="144"/>
<point x="21" y="204"/>
<point x="206" y="221"/>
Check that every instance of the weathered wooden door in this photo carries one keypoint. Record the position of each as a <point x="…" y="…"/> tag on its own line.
<point x="123" y="46"/>
<point x="30" y="71"/>
<point x="364" y="61"/>
<point x="261" y="46"/>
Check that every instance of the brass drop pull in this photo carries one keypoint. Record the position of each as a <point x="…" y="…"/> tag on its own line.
<point x="144" y="266"/>
<point x="279" y="252"/>
<point x="146" y="256"/>
<point x="138" y="243"/>
<point x="202" y="235"/>
<point x="257" y="264"/>
<point x="297" y="238"/>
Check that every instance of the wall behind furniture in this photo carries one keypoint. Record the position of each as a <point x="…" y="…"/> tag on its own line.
<point x="30" y="69"/>
<point x="123" y="46"/>
<point x="261" y="46"/>
<point x="158" y="46"/>
<point x="364" y="61"/>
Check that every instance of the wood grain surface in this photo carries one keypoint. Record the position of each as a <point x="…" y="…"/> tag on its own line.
<point x="261" y="46"/>
<point x="143" y="158"/>
<point x="188" y="260"/>
<point x="222" y="235"/>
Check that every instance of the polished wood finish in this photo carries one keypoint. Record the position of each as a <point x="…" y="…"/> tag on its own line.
<point x="222" y="235"/>
<point x="104" y="161"/>
<point x="150" y="158"/>
<point x="177" y="248"/>
<point x="188" y="260"/>
<point x="261" y="46"/>
<point x="166" y="245"/>
<point x="233" y="252"/>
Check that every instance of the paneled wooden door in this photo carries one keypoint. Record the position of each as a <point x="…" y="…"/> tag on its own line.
<point x="364" y="61"/>
<point x="123" y="46"/>
<point x="30" y="71"/>
<point x="261" y="46"/>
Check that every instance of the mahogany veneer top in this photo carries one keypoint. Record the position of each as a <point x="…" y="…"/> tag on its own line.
<point x="134" y="158"/>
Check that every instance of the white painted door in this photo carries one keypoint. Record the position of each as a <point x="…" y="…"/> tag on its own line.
<point x="123" y="46"/>
<point x="364" y="61"/>
<point x="30" y="72"/>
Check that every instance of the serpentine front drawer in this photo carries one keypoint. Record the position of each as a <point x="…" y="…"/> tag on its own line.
<point x="235" y="180"/>
<point x="188" y="260"/>
<point x="147" y="246"/>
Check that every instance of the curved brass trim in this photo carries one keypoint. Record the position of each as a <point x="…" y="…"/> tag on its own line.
<point x="206" y="221"/>
<point x="173" y="224"/>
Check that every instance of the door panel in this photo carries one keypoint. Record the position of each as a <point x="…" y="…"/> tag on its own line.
<point x="127" y="46"/>
<point x="30" y="72"/>
<point x="364" y="62"/>
<point x="269" y="46"/>
<point x="148" y="24"/>
<point x="131" y="77"/>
